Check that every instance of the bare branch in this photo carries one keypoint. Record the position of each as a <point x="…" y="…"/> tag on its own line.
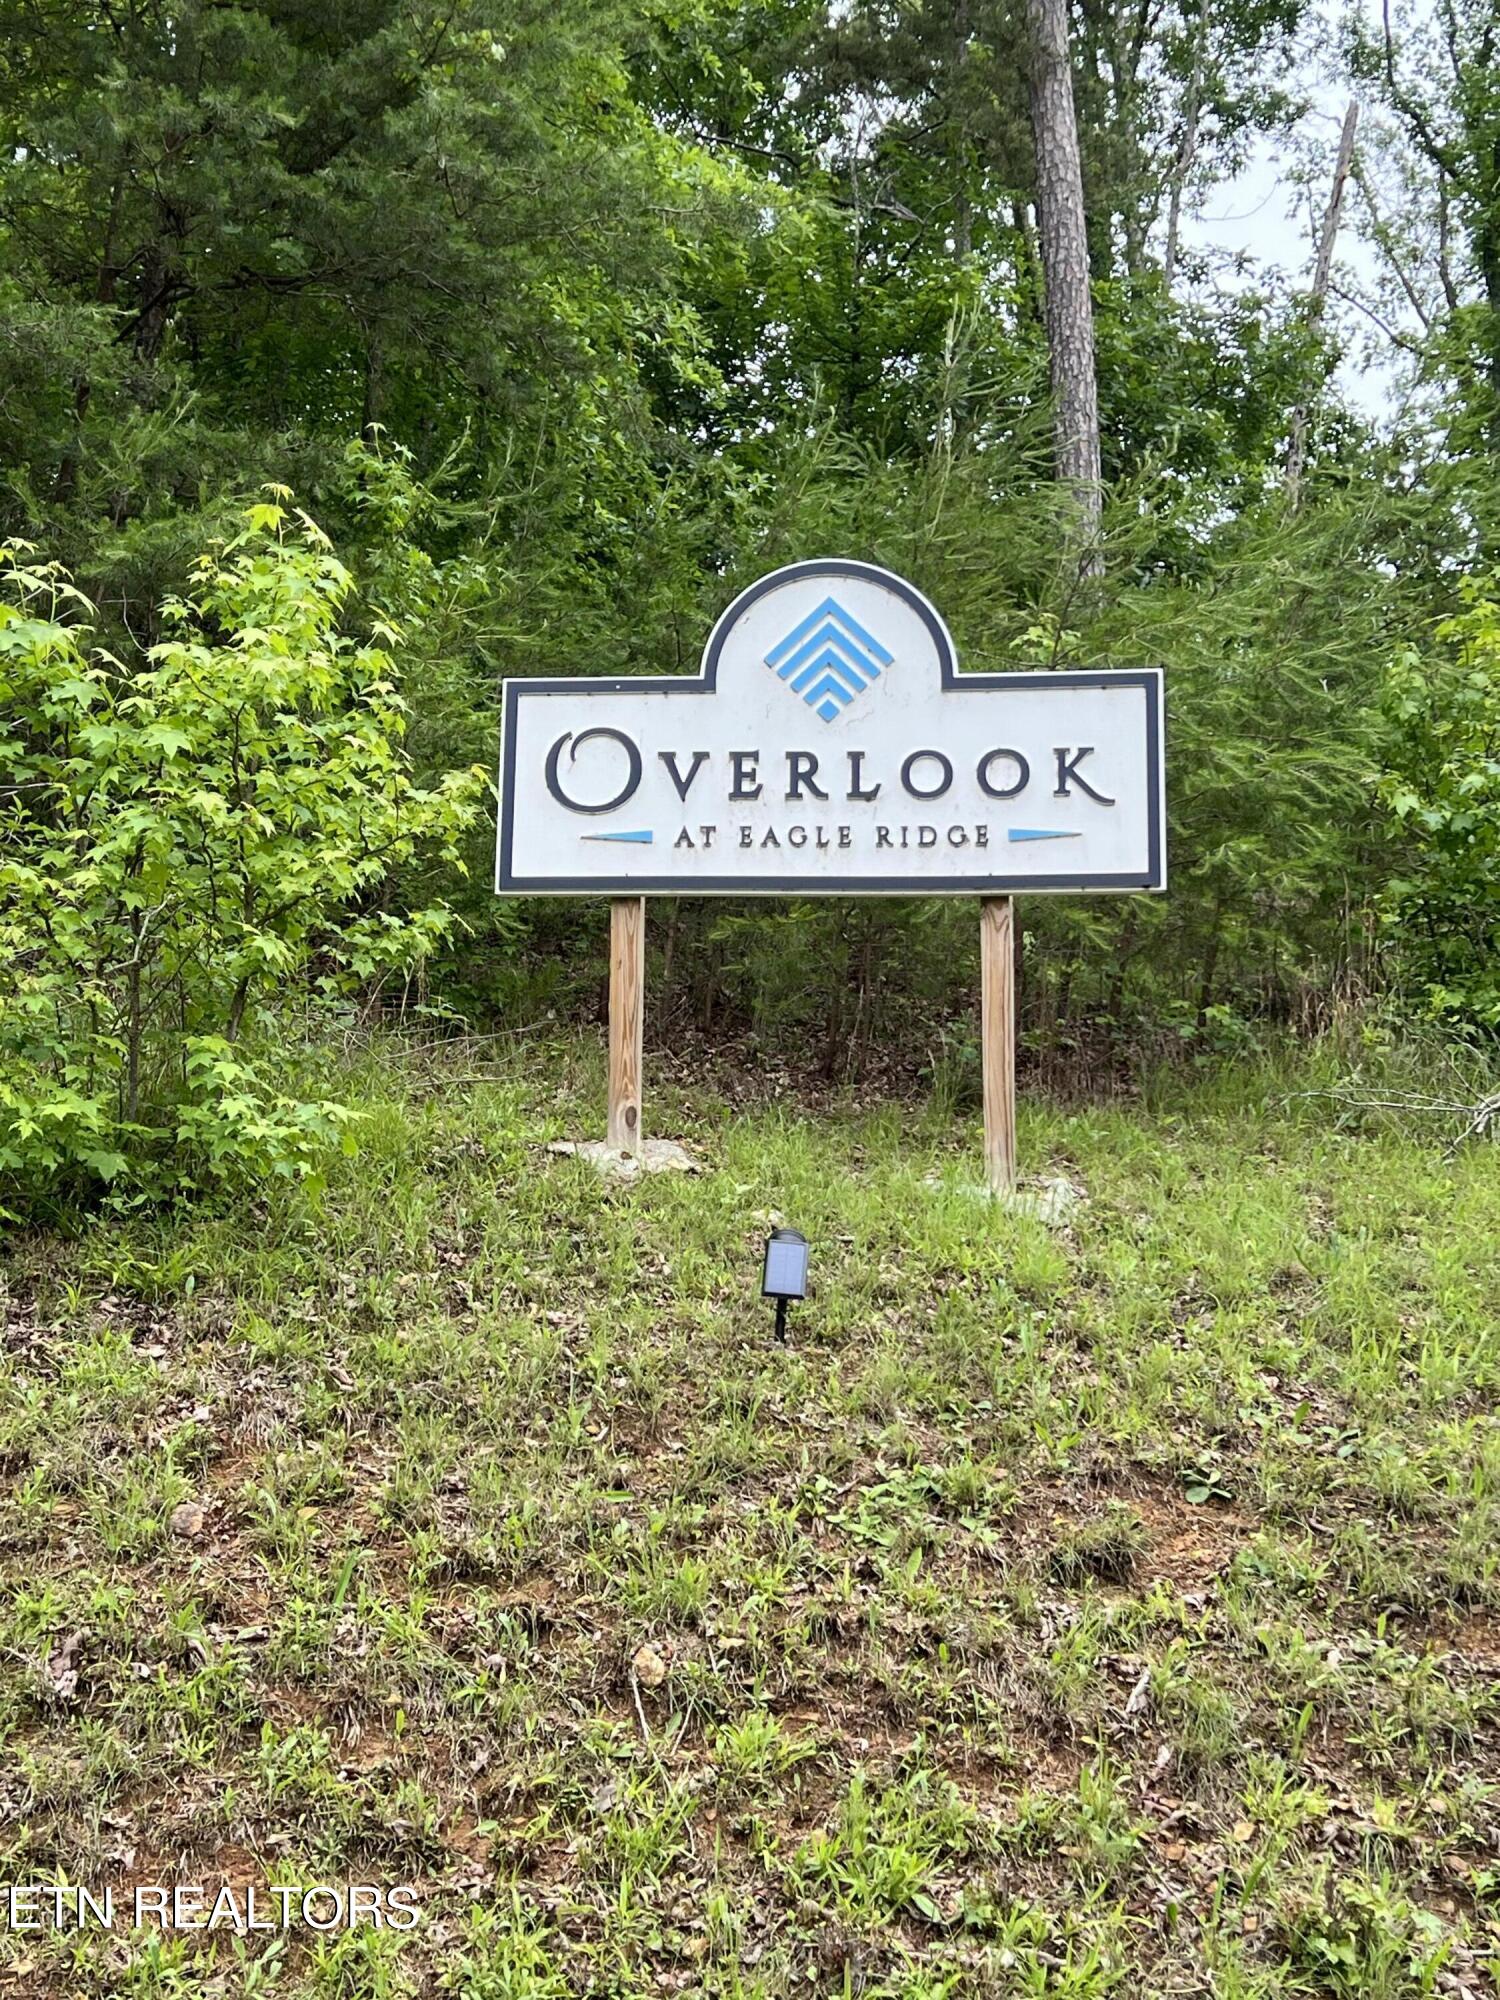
<point x="1440" y="155"/>
<point x="1387" y="245"/>
<point x="1392" y="333"/>
<point x="1322" y="270"/>
<point x="1445" y="266"/>
<point x="1187" y="145"/>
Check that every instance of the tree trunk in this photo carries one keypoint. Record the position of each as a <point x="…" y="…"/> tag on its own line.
<point x="668" y="959"/>
<point x="1487" y="255"/>
<point x="157" y="291"/>
<point x="369" y="420"/>
<point x="104" y="295"/>
<point x="952" y="421"/>
<point x="1297" y="443"/>
<point x="1115" y="1003"/>
<point x="1210" y="963"/>
<point x="1065" y="262"/>
<point x="1187" y="145"/>
<point x="958" y="150"/>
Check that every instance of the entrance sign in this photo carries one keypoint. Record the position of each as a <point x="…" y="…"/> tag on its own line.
<point x="830" y="746"/>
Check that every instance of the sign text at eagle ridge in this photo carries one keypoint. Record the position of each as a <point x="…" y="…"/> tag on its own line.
<point x="830" y="746"/>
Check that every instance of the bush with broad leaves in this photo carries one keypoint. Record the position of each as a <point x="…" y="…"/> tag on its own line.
<point x="197" y="847"/>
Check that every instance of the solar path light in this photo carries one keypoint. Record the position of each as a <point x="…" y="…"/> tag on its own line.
<point x="785" y="1275"/>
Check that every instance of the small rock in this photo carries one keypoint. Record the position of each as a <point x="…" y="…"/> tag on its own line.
<point x="62" y="1666"/>
<point x="648" y="1666"/>
<point x="188" y="1520"/>
<point x="657" y="1156"/>
<point x="1050" y="1201"/>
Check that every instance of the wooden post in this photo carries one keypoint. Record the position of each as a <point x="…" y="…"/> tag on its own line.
<point x="627" y="983"/>
<point x="997" y="1038"/>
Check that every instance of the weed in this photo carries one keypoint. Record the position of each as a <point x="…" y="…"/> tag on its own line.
<point x="1106" y="1548"/>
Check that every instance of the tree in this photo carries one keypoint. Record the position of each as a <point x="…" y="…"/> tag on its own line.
<point x="1439" y="78"/>
<point x="1322" y="271"/>
<point x="656" y="296"/>
<point x="1063" y="237"/>
<point x="236" y="235"/>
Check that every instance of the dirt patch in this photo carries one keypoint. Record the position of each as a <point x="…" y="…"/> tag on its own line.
<point x="1478" y="1639"/>
<point x="1188" y="1546"/>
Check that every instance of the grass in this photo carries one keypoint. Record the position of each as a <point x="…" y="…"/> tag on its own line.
<point x="1102" y="1609"/>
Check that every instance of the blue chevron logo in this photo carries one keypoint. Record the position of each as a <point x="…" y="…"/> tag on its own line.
<point x="828" y="659"/>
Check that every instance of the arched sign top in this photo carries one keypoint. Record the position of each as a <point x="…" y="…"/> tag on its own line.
<point x="830" y="745"/>
<point x="831" y="570"/>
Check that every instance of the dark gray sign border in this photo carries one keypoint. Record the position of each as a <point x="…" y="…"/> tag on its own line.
<point x="705" y="682"/>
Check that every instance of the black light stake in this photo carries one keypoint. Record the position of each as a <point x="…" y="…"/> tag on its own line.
<point x="785" y="1275"/>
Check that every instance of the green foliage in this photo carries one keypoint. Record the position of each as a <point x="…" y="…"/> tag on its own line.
<point x="1362" y="1939"/>
<point x="232" y="243"/>
<point x="1442" y="788"/>
<point x="653" y="298"/>
<point x="198" y="841"/>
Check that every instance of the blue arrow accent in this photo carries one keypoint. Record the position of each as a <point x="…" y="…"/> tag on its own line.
<point x="1038" y="833"/>
<point x="828" y="657"/>
<point x="833" y="645"/>
<point x="827" y="697"/>
<point x="829" y="608"/>
<point x="642" y="839"/>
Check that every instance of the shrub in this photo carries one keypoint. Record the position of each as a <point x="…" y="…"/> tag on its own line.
<point x="195" y="840"/>
<point x="1442" y="785"/>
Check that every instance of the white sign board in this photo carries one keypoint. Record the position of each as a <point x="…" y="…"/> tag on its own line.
<point x="830" y="746"/>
